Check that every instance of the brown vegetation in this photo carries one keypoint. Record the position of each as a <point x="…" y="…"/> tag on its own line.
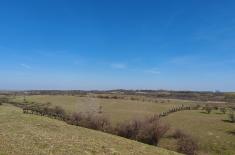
<point x="150" y="130"/>
<point x="231" y="116"/>
<point x="185" y="143"/>
<point x="223" y="110"/>
<point x="90" y="121"/>
<point x="176" y="109"/>
<point x="208" y="109"/>
<point x="3" y="100"/>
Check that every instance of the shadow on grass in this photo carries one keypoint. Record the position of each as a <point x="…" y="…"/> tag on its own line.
<point x="227" y="121"/>
<point x="231" y="132"/>
<point x="203" y="112"/>
<point x="169" y="136"/>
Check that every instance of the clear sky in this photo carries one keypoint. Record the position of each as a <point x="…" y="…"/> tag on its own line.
<point x="111" y="44"/>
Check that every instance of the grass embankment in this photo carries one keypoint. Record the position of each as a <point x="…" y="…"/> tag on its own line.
<point x="25" y="134"/>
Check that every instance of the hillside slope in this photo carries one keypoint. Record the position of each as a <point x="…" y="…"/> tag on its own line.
<point x="25" y="134"/>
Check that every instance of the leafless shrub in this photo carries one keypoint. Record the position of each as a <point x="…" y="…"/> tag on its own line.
<point x="223" y="110"/>
<point x="128" y="129"/>
<point x="132" y="98"/>
<point x="151" y="133"/>
<point x="187" y="145"/>
<point x="231" y="116"/>
<point x="100" y="111"/>
<point x="114" y="97"/>
<point x="59" y="112"/>
<point x="100" y="123"/>
<point x="90" y="121"/>
<point x="44" y="110"/>
<point x="3" y="100"/>
<point x="75" y="119"/>
<point x="150" y="130"/>
<point x="216" y="107"/>
<point x="208" y="109"/>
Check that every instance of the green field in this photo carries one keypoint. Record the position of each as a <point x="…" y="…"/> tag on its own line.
<point x="212" y="131"/>
<point x="22" y="134"/>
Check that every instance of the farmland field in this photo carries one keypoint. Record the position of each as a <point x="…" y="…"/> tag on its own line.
<point x="212" y="131"/>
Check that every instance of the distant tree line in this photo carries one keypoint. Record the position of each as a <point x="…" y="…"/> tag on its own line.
<point x="166" y="94"/>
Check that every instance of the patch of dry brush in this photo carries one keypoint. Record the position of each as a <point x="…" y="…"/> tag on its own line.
<point x="186" y="144"/>
<point x="149" y="130"/>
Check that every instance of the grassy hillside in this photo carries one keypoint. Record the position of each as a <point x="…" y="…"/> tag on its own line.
<point x="211" y="130"/>
<point x="25" y="134"/>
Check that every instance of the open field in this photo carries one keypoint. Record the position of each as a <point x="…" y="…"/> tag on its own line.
<point x="31" y="135"/>
<point x="115" y="109"/>
<point x="212" y="131"/>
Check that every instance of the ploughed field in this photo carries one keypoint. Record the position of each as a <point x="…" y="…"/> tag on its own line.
<point x="215" y="135"/>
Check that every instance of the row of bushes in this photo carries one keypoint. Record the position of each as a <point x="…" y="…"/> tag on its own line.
<point x="181" y="108"/>
<point x="143" y="99"/>
<point x="110" y="97"/>
<point x="3" y="100"/>
<point x="149" y="130"/>
<point x="209" y="109"/>
<point x="149" y="99"/>
<point x="56" y="112"/>
<point x="231" y="114"/>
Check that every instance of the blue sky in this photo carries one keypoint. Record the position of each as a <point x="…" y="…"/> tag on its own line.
<point x="111" y="44"/>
